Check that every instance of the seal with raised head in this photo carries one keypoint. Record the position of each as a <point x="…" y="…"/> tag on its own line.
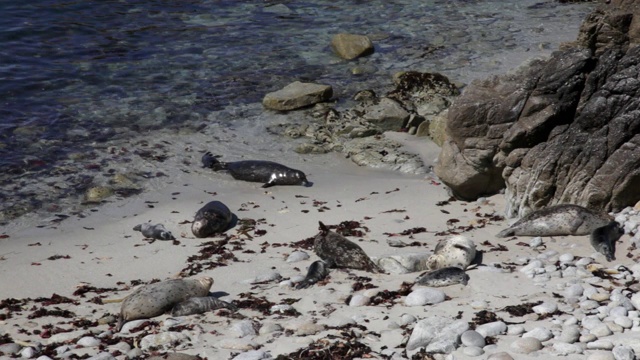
<point x="457" y="251"/>
<point x="268" y="172"/>
<point x="199" y="305"/>
<point x="338" y="252"/>
<point x="318" y="270"/>
<point x="157" y="231"/>
<point x="156" y="299"/>
<point x="558" y="220"/>
<point x="213" y="218"/>
<point x="604" y="238"/>
<point x="443" y="277"/>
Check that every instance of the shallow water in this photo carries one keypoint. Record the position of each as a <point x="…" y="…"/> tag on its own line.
<point x="83" y="80"/>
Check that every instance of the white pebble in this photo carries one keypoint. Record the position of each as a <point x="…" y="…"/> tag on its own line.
<point x="624" y="322"/>
<point x="243" y="328"/>
<point x="28" y="352"/>
<point x="407" y="319"/>
<point x="359" y="300"/>
<point x="622" y="352"/>
<point x="424" y="296"/>
<point x="297" y="256"/>
<point x="472" y="338"/>
<point x="492" y="328"/>
<point x="525" y="345"/>
<point x="515" y="330"/>
<point x="600" y="345"/>
<point x="601" y="330"/>
<point x="565" y="258"/>
<point x="472" y="351"/>
<point x="545" y="308"/>
<point x="535" y="242"/>
<point x="540" y="333"/>
<point x="88" y="341"/>
<point x="565" y="349"/>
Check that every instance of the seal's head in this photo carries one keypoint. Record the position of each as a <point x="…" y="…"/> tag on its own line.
<point x="301" y="177"/>
<point x="206" y="282"/>
<point x="199" y="228"/>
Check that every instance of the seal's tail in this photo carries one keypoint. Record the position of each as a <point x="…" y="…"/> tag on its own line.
<point x="505" y="233"/>
<point x="211" y="161"/>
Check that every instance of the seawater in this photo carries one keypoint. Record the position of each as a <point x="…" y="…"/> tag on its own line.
<point x="82" y="80"/>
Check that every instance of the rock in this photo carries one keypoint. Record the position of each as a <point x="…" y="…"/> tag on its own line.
<point x="243" y="344"/>
<point x="545" y="308"/>
<point x="540" y="333"/>
<point x="601" y="355"/>
<point x="564" y="349"/>
<point x="437" y="334"/>
<point x="297" y="256"/>
<point x="10" y="348"/>
<point x="134" y="353"/>
<point x="492" y="328"/>
<point x="600" y="345"/>
<point x="98" y="193"/>
<point x="88" y="341"/>
<point x="163" y="340"/>
<point x="382" y="153"/>
<point x="424" y="296"/>
<point x="269" y="328"/>
<point x="102" y="356"/>
<point x="350" y="46"/>
<point x="297" y="95"/>
<point x="472" y="338"/>
<point x="387" y="115"/>
<point x="500" y="356"/>
<point x="359" y="300"/>
<point x="253" y="355"/>
<point x="525" y="345"/>
<point x="570" y="334"/>
<point x="303" y="327"/>
<point x="243" y="328"/>
<point x="472" y="351"/>
<point x="622" y="352"/>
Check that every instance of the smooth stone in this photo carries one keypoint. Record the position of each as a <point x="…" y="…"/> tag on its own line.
<point x="134" y="353"/>
<point x="590" y="322"/>
<point x="618" y="311"/>
<point x="570" y="334"/>
<point x="269" y="328"/>
<point x="253" y="355"/>
<point x="588" y="304"/>
<point x="500" y="356"/>
<point x="601" y="355"/>
<point x="351" y="46"/>
<point x="623" y="352"/>
<point x="534" y="264"/>
<point x="437" y="334"/>
<point x="10" y="348"/>
<point x="407" y="319"/>
<point x="540" y="333"/>
<point x="171" y="338"/>
<point x="599" y="297"/>
<point x="635" y="300"/>
<point x="281" y="308"/>
<point x="359" y="300"/>
<point x="515" y="330"/>
<point x="492" y="328"/>
<point x="565" y="258"/>
<point x="88" y="341"/>
<point x="525" y="345"/>
<point x="424" y="296"/>
<point x="297" y="95"/>
<point x="565" y="349"/>
<point x="600" y="344"/>
<point x="545" y="308"/>
<point x="587" y="338"/>
<point x="28" y="352"/>
<point x="102" y="356"/>
<point x="601" y="331"/>
<point x="297" y="256"/>
<point x="128" y="326"/>
<point x="43" y="357"/>
<point x="243" y="328"/>
<point x="535" y="242"/>
<point x="623" y="322"/>
<point x="472" y="338"/>
<point x="303" y="327"/>
<point x="243" y="344"/>
<point x="472" y="351"/>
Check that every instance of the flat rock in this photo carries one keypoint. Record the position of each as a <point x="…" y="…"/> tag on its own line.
<point x="297" y="95"/>
<point x="424" y="296"/>
<point x="351" y="46"/>
<point x="525" y="345"/>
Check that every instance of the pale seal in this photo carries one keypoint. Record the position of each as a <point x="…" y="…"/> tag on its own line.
<point x="443" y="277"/>
<point x="558" y="220"/>
<point x="157" y="231"/>
<point x="268" y="172"/>
<point x="199" y="305"/>
<point x="156" y="299"/>
<point x="318" y="270"/>
<point x="455" y="251"/>
<point x="338" y="252"/>
<point x="213" y="218"/>
<point x="604" y="238"/>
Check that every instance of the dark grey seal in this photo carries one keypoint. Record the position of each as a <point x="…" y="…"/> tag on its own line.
<point x="199" y="305"/>
<point x="318" y="270"/>
<point x="443" y="277"/>
<point x="338" y="252"/>
<point x="268" y="172"/>
<point x="213" y="218"/>
<point x="604" y="238"/>
<point x="157" y="231"/>
<point x="558" y="220"/>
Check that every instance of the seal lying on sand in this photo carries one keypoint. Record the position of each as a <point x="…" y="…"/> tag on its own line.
<point x="318" y="270"/>
<point x="213" y="218"/>
<point x="199" y="305"/>
<point x="456" y="251"/>
<point x="443" y="277"/>
<point x="338" y="252"/>
<point x="604" y="238"/>
<point x="156" y="299"/>
<point x="268" y="172"/>
<point x="157" y="231"/>
<point x="558" y="220"/>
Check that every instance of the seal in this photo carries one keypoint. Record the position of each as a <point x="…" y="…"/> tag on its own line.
<point x="604" y="238"/>
<point x="156" y="299"/>
<point x="558" y="220"/>
<point x="157" y="231"/>
<point x="213" y="218"/>
<point x="268" y="172"/>
<point x="455" y="251"/>
<point x="318" y="270"/>
<point x="443" y="277"/>
<point x="338" y="252"/>
<point x="199" y="305"/>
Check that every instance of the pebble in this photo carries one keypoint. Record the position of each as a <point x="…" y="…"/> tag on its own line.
<point x="88" y="341"/>
<point x="102" y="356"/>
<point x="601" y="355"/>
<point x="126" y="328"/>
<point x="500" y="356"/>
<point x="535" y="242"/>
<point x="269" y="328"/>
<point x="601" y="330"/>
<point x="570" y="334"/>
<point x="565" y="349"/>
<point x="253" y="355"/>
<point x="472" y="351"/>
<point x="534" y="264"/>
<point x="587" y="338"/>
<point x="623" y="322"/>
<point x="303" y="327"/>
<point x="492" y="328"/>
<point x="622" y="352"/>
<point x="600" y="345"/>
<point x="134" y="353"/>
<point x="10" y="348"/>
<point x="635" y="301"/>
<point x="281" y="308"/>
<point x="297" y="256"/>
<point x="472" y="338"/>
<point x="169" y="338"/>
<point x="618" y="311"/>
<point x="359" y="300"/>
<point x="565" y="258"/>
<point x="28" y="352"/>
<point x="244" y="344"/>
<point x="243" y="328"/>
<point x="525" y="345"/>
<point x="43" y="357"/>
<point x="62" y="349"/>
<point x="407" y="319"/>
<point x="545" y="308"/>
<point x="515" y="330"/>
<point x="539" y="333"/>
<point x="424" y="296"/>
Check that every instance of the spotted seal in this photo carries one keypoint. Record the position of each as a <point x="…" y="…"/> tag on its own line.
<point x="457" y="251"/>
<point x="156" y="299"/>
<point x="338" y="252"/>
<point x="213" y="218"/>
<point x="443" y="277"/>
<point x="268" y="172"/>
<point x="157" y="231"/>
<point x="604" y="238"/>
<point x="558" y="220"/>
<point x="199" y="305"/>
<point x="318" y="270"/>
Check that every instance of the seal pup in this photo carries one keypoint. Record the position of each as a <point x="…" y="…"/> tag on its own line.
<point x="268" y="172"/>
<point x="457" y="251"/>
<point x="318" y="270"/>
<point x="604" y="238"/>
<point x="199" y="305"/>
<point x="156" y="299"/>
<point x="157" y="231"/>
<point x="213" y="218"/>
<point x="443" y="277"/>
<point x="338" y="252"/>
<point x="558" y="220"/>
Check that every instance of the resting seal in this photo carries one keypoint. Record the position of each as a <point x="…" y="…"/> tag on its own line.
<point x="268" y="172"/>
<point x="558" y="220"/>
<point x="199" y="305"/>
<point x="338" y="252"/>
<point x="604" y="238"/>
<point x="318" y="270"/>
<point x="443" y="277"/>
<point x="156" y="299"/>
<point x="456" y="251"/>
<point x="157" y="231"/>
<point x="213" y="218"/>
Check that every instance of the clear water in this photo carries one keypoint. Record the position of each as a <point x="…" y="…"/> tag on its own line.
<point x="79" y="76"/>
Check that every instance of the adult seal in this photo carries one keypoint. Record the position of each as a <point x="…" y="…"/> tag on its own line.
<point x="443" y="277"/>
<point x="338" y="252"/>
<point x="558" y="220"/>
<point x="156" y="299"/>
<point x="213" y="218"/>
<point x="603" y="239"/>
<point x="268" y="172"/>
<point x="457" y="251"/>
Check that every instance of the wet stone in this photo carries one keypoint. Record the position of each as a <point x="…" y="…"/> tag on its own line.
<point x="297" y="95"/>
<point x="351" y="46"/>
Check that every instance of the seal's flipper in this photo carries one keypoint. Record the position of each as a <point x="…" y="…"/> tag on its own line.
<point x="505" y="233"/>
<point x="268" y="185"/>
<point x="120" y="323"/>
<point x="323" y="228"/>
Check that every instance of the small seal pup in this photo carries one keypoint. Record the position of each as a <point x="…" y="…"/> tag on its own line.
<point x="604" y="238"/>
<point x="268" y="172"/>
<point x="213" y="218"/>
<point x="558" y="220"/>
<point x="156" y="299"/>
<point x="443" y="277"/>
<point x="157" y="231"/>
<point x="457" y="251"/>
<point x="199" y="305"/>
<point x="318" y="270"/>
<point x="338" y="252"/>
